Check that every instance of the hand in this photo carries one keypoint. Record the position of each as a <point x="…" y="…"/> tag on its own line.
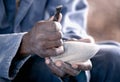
<point x="61" y="69"/>
<point x="44" y="39"/>
<point x="82" y="65"/>
<point x="88" y="39"/>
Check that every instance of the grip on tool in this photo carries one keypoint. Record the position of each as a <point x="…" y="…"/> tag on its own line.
<point x="58" y="10"/>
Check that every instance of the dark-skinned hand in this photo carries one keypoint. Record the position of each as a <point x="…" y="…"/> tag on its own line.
<point x="62" y="69"/>
<point x="44" y="39"/>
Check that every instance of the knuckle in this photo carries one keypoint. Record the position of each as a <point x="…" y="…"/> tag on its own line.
<point x="50" y="52"/>
<point x="45" y="53"/>
<point x="53" y="52"/>
<point x="56" y="36"/>
<point x="52" y="26"/>
<point x="59" y="51"/>
<point x="59" y="34"/>
<point x="39" y="26"/>
<point x="56" y="26"/>
<point x="58" y="43"/>
<point x="61" y="42"/>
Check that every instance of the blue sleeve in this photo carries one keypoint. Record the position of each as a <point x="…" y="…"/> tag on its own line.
<point x="74" y="17"/>
<point x="9" y="45"/>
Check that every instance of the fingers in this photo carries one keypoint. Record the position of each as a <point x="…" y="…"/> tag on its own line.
<point x="56" y="70"/>
<point x="49" y="26"/>
<point x="88" y="39"/>
<point x="83" y="66"/>
<point x="53" y="51"/>
<point x="61" y="69"/>
<point x="69" y="70"/>
<point x="53" y="44"/>
<point x="60" y="18"/>
<point x="45" y="39"/>
<point x="50" y="36"/>
<point x="85" y="40"/>
<point x="55" y="27"/>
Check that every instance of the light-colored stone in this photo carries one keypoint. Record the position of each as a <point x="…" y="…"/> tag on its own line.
<point x="77" y="52"/>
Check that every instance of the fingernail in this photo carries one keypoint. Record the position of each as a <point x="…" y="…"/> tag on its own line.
<point x="74" y="66"/>
<point x="58" y="63"/>
<point x="47" y="61"/>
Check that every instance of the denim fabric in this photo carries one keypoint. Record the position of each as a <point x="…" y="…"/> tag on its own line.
<point x="106" y="64"/>
<point x="106" y="68"/>
<point x="30" y="12"/>
<point x="35" y="70"/>
<point x="79" y="78"/>
<point x="74" y="24"/>
<point x="9" y="44"/>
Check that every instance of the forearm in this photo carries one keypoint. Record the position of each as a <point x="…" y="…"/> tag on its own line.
<point x="23" y="48"/>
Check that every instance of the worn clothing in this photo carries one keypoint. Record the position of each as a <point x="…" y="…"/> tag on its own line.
<point x="106" y="68"/>
<point x="13" y="20"/>
<point x="106" y="63"/>
<point x="8" y="50"/>
<point x="35" y="70"/>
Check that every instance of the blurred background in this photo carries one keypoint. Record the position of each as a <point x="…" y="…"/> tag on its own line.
<point x="104" y="20"/>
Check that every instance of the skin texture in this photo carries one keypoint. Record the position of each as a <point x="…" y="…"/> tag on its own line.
<point x="62" y="69"/>
<point x="103" y="19"/>
<point x="45" y="40"/>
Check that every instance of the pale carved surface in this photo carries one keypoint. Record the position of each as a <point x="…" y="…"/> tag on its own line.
<point x="76" y="52"/>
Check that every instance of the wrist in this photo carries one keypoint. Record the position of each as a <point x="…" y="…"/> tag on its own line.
<point x="24" y="49"/>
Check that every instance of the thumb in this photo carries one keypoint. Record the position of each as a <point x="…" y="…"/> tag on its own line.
<point x="53" y="18"/>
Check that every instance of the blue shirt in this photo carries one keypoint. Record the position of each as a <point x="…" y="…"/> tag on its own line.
<point x="13" y="25"/>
